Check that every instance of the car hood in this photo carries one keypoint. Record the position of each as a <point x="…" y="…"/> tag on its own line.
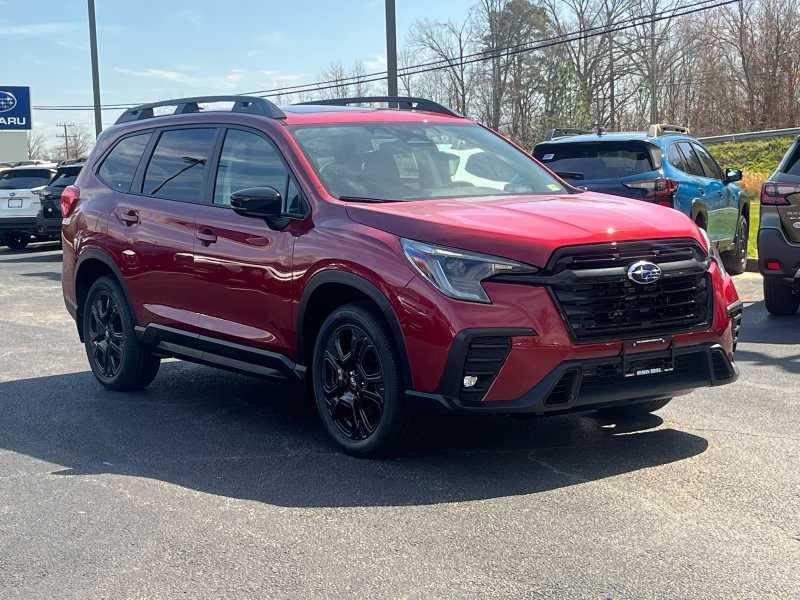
<point x="526" y="228"/>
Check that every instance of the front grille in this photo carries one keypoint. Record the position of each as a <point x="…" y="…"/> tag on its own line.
<point x="484" y="358"/>
<point x="599" y="302"/>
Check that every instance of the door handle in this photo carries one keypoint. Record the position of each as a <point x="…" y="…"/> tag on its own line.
<point x="129" y="217"/>
<point x="702" y="191"/>
<point x="207" y="236"/>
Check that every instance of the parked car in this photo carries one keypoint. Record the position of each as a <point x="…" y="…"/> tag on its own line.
<point x="779" y="235"/>
<point x="666" y="166"/>
<point x="329" y="244"/>
<point x="48" y="221"/>
<point x="20" y="203"/>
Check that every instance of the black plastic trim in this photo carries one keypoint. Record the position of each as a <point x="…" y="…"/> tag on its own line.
<point x="252" y="105"/>
<point x="21" y="224"/>
<point x="368" y="289"/>
<point x="401" y="102"/>
<point x="774" y="245"/>
<point x="216" y="352"/>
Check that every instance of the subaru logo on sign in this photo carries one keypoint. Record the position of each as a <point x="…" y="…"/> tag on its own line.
<point x="7" y="101"/>
<point x="644" y="272"/>
<point x="15" y="108"/>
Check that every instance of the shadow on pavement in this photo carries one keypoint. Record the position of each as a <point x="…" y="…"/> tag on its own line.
<point x="233" y="436"/>
<point x="51" y="275"/>
<point x="759" y="327"/>
<point x="31" y="257"/>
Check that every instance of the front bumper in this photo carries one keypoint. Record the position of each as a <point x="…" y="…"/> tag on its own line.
<point x="589" y="384"/>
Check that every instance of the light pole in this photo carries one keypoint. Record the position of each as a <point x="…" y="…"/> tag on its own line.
<point x="391" y="49"/>
<point x="98" y="117"/>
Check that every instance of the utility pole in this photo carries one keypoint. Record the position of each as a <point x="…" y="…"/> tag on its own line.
<point x="98" y="117"/>
<point x="391" y="48"/>
<point x="66" y="137"/>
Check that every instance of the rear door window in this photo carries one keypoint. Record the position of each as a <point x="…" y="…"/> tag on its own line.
<point x="120" y="165"/>
<point x="177" y="169"/>
<point x="693" y="164"/>
<point x="710" y="166"/>
<point x="676" y="158"/>
<point x="596" y="160"/>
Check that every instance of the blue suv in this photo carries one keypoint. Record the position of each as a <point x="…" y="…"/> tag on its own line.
<point x="665" y="166"/>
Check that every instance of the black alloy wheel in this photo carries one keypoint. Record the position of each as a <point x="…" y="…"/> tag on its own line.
<point x="106" y="334"/>
<point x="736" y="259"/>
<point x="352" y="382"/>
<point x="357" y="382"/>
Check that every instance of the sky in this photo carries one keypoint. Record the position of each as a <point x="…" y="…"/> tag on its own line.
<point x="156" y="49"/>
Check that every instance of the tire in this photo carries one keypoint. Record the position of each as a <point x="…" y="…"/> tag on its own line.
<point x="735" y="260"/>
<point x="635" y="410"/>
<point x="357" y="382"/>
<point x="118" y="360"/>
<point x="17" y="241"/>
<point x="779" y="297"/>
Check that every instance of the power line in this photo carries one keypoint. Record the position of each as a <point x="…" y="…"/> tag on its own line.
<point x="629" y="23"/>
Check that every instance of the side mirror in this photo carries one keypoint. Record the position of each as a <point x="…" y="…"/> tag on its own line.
<point x="260" y="203"/>
<point x="732" y="175"/>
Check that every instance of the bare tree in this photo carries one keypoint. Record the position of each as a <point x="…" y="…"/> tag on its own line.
<point x="36" y="146"/>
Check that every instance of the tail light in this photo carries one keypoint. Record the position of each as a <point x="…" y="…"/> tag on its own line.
<point x="69" y="198"/>
<point x="659" y="191"/>
<point x="777" y="193"/>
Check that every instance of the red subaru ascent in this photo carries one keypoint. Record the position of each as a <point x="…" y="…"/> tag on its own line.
<point x="395" y="259"/>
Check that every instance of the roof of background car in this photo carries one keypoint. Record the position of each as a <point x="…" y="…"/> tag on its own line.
<point x="306" y="114"/>
<point x="615" y="136"/>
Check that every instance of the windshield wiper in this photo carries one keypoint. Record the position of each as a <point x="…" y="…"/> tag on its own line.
<point x="364" y="199"/>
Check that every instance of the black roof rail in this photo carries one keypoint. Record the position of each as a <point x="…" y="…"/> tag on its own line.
<point x="402" y="102"/>
<point x="241" y="104"/>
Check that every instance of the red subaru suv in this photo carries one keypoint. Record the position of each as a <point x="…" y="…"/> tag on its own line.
<point x="394" y="259"/>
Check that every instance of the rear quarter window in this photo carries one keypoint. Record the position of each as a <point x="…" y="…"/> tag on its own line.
<point x="120" y="165"/>
<point x="596" y="160"/>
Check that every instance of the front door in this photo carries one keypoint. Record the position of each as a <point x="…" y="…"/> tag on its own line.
<point x="708" y="191"/>
<point x="243" y="268"/>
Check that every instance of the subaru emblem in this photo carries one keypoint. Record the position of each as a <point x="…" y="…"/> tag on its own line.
<point x="7" y="101"/>
<point x="644" y="272"/>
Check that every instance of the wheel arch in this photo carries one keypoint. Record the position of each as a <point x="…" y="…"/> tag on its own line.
<point x="700" y="211"/>
<point x="330" y="289"/>
<point x="91" y="265"/>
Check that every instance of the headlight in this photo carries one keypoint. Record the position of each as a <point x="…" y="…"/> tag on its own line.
<point x="456" y="273"/>
<point x="712" y="250"/>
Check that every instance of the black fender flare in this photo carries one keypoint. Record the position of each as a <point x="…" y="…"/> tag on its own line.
<point x="108" y="261"/>
<point x="370" y="291"/>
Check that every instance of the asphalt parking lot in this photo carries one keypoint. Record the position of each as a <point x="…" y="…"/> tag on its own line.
<point x="206" y="486"/>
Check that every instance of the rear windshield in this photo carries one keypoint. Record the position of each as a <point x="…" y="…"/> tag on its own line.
<point x="419" y="161"/>
<point x="65" y="177"/>
<point x="596" y="160"/>
<point x="24" y="179"/>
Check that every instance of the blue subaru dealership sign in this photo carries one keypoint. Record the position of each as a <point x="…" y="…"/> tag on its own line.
<point x="15" y="108"/>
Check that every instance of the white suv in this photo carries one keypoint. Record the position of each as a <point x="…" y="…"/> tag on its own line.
<point x="20" y="202"/>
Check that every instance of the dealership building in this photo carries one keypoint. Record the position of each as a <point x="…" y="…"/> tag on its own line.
<point x="15" y="123"/>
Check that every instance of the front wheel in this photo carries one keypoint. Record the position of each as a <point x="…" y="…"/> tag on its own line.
<point x="635" y="410"/>
<point x="735" y="260"/>
<point x="118" y="360"/>
<point x="357" y="382"/>
<point x="779" y="297"/>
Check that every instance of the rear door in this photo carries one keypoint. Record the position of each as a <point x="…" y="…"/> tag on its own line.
<point x="705" y="190"/>
<point x="242" y="267"/>
<point x="601" y="166"/>
<point x="154" y="225"/>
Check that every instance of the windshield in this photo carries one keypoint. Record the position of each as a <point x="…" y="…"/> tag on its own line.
<point x="24" y="179"/>
<point x="419" y="161"/>
<point x="595" y="160"/>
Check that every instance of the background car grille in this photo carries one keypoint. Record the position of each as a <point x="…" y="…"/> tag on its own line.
<point x="599" y="301"/>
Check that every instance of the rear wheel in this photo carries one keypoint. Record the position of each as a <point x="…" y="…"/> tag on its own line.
<point x="735" y="259"/>
<point x="118" y="360"/>
<point x="17" y="241"/>
<point x="357" y="382"/>
<point x="779" y="297"/>
<point x="635" y="410"/>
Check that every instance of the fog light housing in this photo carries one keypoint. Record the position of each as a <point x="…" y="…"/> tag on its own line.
<point x="470" y="381"/>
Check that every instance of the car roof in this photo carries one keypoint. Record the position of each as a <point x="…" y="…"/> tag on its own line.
<point x="45" y="167"/>
<point x="306" y="114"/>
<point x="621" y="136"/>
